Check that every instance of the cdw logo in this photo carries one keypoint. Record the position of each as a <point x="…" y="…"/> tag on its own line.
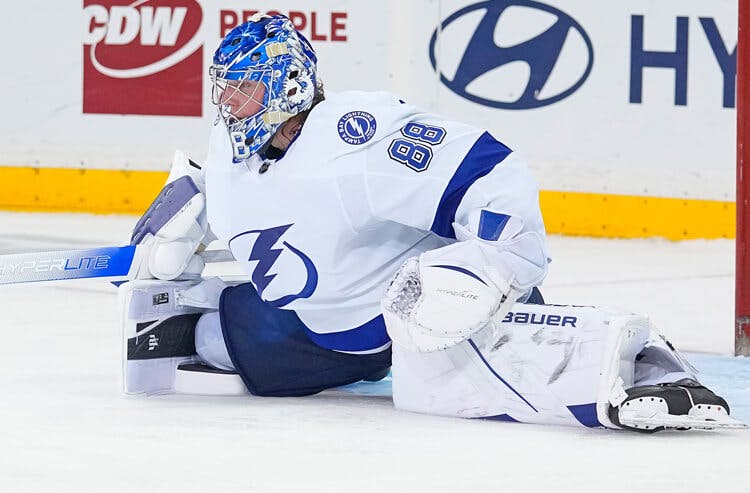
<point x="121" y="25"/>
<point x="142" y="57"/>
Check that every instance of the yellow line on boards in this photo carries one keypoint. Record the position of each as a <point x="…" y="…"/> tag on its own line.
<point x="568" y="213"/>
<point x="79" y="190"/>
<point x="630" y="216"/>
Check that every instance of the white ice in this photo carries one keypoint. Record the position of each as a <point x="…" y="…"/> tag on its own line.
<point x="66" y="426"/>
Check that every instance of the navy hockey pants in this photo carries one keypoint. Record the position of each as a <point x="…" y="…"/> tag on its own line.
<point x="273" y="354"/>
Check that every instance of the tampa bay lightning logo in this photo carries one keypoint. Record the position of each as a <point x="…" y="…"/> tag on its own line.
<point x="266" y="255"/>
<point x="357" y="127"/>
<point x="502" y="70"/>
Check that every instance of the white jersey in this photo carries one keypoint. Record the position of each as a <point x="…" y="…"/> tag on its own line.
<point x="368" y="182"/>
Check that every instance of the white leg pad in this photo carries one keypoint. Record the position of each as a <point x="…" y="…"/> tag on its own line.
<point x="541" y="364"/>
<point x="152" y="347"/>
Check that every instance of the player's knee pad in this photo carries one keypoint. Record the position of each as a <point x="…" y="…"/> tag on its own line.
<point x="159" y="320"/>
<point x="209" y="342"/>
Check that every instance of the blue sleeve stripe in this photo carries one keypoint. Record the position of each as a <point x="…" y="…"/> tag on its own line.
<point x="482" y="158"/>
<point x="368" y="336"/>
<point x="491" y="225"/>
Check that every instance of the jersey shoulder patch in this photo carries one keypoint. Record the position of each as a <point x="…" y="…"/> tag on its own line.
<point x="350" y="121"/>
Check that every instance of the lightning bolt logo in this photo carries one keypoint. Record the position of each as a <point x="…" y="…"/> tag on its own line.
<point x="266" y="255"/>
<point x="357" y="127"/>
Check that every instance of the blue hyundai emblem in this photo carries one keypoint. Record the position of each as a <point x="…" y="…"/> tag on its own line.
<point x="357" y="127"/>
<point x="541" y="53"/>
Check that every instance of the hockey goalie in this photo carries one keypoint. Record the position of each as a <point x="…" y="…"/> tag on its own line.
<point x="376" y="236"/>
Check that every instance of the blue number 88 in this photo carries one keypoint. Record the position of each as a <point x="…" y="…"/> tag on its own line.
<point x="424" y="133"/>
<point x="416" y="156"/>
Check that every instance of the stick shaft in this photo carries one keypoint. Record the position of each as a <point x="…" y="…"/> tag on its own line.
<point x="107" y="262"/>
<point x="111" y="263"/>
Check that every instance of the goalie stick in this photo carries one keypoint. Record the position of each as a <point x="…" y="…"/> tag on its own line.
<point x="111" y="263"/>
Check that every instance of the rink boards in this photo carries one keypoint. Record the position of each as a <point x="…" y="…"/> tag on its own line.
<point x="625" y="111"/>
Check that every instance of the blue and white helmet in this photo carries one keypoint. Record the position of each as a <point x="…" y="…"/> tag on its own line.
<point x="263" y="73"/>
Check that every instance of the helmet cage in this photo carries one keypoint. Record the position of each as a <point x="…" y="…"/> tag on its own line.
<point x="232" y="86"/>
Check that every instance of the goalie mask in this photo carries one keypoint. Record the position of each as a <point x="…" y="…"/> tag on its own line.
<point x="263" y="73"/>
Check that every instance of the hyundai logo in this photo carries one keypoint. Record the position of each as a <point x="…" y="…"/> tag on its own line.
<point x="532" y="70"/>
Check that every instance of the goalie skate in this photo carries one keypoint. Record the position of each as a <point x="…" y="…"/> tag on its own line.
<point x="681" y="405"/>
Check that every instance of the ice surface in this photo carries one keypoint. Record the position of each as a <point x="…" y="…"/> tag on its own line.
<point x="66" y="426"/>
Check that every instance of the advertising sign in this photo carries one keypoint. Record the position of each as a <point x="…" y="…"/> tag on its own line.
<point x="143" y="57"/>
